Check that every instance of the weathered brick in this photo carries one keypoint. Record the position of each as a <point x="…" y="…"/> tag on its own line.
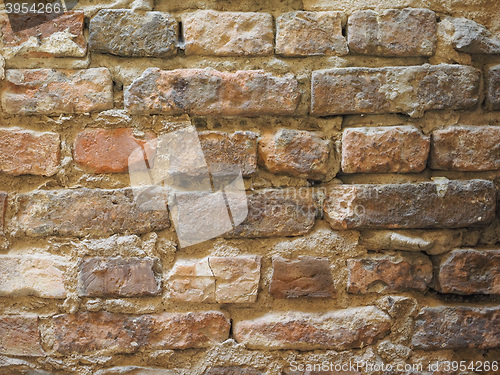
<point x="303" y="277"/>
<point x="127" y="33"/>
<point x="135" y="370"/>
<point x="51" y="92"/>
<point x="399" y="149"/>
<point x="238" y="148"/>
<point x="108" y="150"/>
<point x="469" y="271"/>
<point x="94" y="212"/>
<point x="208" y="32"/>
<point x="191" y="281"/>
<point x="277" y="212"/>
<point x="451" y="204"/>
<point x="29" y="152"/>
<point x="310" y="33"/>
<point x="393" y="32"/>
<point x="32" y="276"/>
<point x="339" y="330"/>
<point x="210" y="92"/>
<point x="472" y="37"/>
<point x="297" y="153"/>
<point x="119" y="277"/>
<point x="50" y="37"/>
<point x="383" y="273"/>
<point x="232" y="370"/>
<point x="466" y="148"/>
<point x="19" y="335"/>
<point x="493" y="88"/>
<point x="412" y="89"/>
<point x="457" y="327"/>
<point x="3" y="209"/>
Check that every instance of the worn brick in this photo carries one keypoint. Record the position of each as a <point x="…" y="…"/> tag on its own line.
<point x="191" y="281"/>
<point x="94" y="212"/>
<point x="302" y="277"/>
<point x="470" y="271"/>
<point x="28" y="152"/>
<point x="28" y="275"/>
<point x="119" y="277"/>
<point x="50" y="37"/>
<point x="135" y="370"/>
<point x="384" y="273"/>
<point x="393" y="32"/>
<point x="339" y="330"/>
<point x="398" y="149"/>
<point x="310" y="33"/>
<point x="472" y="37"/>
<point x="19" y="335"/>
<point x="232" y="370"/>
<point x="493" y="88"/>
<point x="210" y="92"/>
<point x="124" y="32"/>
<point x="466" y="148"/>
<point x="411" y="90"/>
<point x="277" y="212"/>
<point x="448" y="204"/>
<point x="208" y="32"/>
<point x="52" y="92"/>
<point x="457" y="327"/>
<point x="3" y="209"/>
<point x="109" y="150"/>
<point x="238" y="148"/>
<point x="297" y="153"/>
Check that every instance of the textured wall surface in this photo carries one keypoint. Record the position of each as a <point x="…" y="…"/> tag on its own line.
<point x="368" y="137"/>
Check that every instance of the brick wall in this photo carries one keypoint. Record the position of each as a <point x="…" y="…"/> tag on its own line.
<point x="368" y="137"/>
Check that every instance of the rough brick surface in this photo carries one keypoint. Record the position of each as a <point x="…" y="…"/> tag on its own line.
<point x="469" y="271"/>
<point x="400" y="149"/>
<point x="297" y="153"/>
<point x="51" y="92"/>
<point x="232" y="370"/>
<point x="119" y="277"/>
<point x="451" y="204"/>
<point x="238" y="148"/>
<point x="207" y="32"/>
<point x="472" y="37"/>
<point x="109" y="150"/>
<point x="457" y="327"/>
<point x="28" y="152"/>
<point x="303" y="277"/>
<point x="135" y="370"/>
<point x="127" y="33"/>
<point x="393" y="32"/>
<point x="412" y="90"/>
<point x="310" y="33"/>
<point x="3" y="209"/>
<point x="466" y="148"/>
<point x="210" y="92"/>
<point x="19" y="335"/>
<point x="191" y="281"/>
<point x="40" y="276"/>
<point x="383" y="273"/>
<point x="493" y="88"/>
<point x="56" y="37"/>
<point x="339" y="330"/>
<point x="94" y="212"/>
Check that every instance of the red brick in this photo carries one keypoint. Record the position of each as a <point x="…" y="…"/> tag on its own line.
<point x="493" y="88"/>
<point x="452" y="204"/>
<point x="108" y="150"/>
<point x="296" y="153"/>
<point x="28" y="152"/>
<point x="89" y="212"/>
<point x="393" y="32"/>
<point x="382" y="273"/>
<point x="469" y="271"/>
<point x="208" y="32"/>
<point x="457" y="327"/>
<point x="210" y="92"/>
<point x="310" y="33"/>
<point x="339" y="330"/>
<point x="303" y="277"/>
<point x="466" y="148"/>
<point x="394" y="149"/>
<point x="119" y="277"/>
<point x="52" y="92"/>
<point x="52" y="37"/>
<point x="19" y="335"/>
<point x="411" y="89"/>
